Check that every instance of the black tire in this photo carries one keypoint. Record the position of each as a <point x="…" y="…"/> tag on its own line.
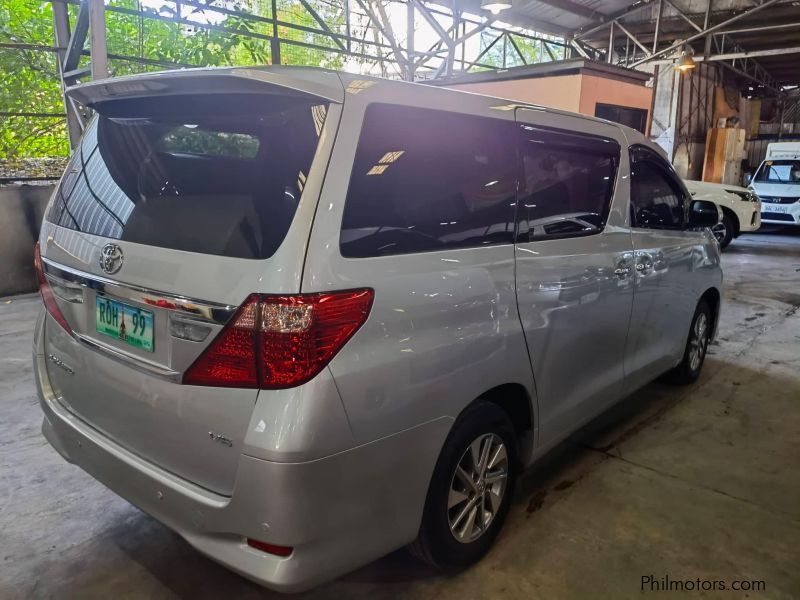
<point x="689" y="369"/>
<point x="724" y="231"/>
<point x="436" y="543"/>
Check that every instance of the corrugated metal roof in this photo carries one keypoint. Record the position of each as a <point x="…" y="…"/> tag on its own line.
<point x="546" y="16"/>
<point x="565" y="17"/>
<point x="573" y="14"/>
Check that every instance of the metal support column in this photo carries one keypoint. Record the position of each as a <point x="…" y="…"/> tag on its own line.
<point x="451" y="51"/>
<point x="61" y="31"/>
<point x="410" y="17"/>
<point x="659" y="10"/>
<point x="97" y="39"/>
<point x="707" y="49"/>
<point x="347" y="24"/>
<point x="675" y="111"/>
<point x="275" y="43"/>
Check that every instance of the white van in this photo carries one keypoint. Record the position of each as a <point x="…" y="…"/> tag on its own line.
<point x="777" y="183"/>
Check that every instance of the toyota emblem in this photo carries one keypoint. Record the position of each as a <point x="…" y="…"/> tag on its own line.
<point x="111" y="258"/>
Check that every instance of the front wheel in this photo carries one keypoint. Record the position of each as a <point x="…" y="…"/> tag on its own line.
<point x="471" y="489"/>
<point x="694" y="354"/>
<point x="723" y="231"/>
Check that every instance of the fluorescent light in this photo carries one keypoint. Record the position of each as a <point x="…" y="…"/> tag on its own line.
<point x="495" y="6"/>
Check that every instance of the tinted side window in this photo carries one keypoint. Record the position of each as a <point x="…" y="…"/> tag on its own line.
<point x="568" y="183"/>
<point x="656" y="200"/>
<point x="426" y="180"/>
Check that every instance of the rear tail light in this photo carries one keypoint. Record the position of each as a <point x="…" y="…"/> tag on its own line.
<point x="270" y="548"/>
<point x="48" y="299"/>
<point x="275" y="342"/>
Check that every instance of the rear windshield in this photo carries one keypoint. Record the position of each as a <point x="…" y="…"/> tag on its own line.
<point x="779" y="171"/>
<point x="218" y="175"/>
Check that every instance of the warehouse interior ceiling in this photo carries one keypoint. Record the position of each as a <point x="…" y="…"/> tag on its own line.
<point x="754" y="45"/>
<point x="758" y="42"/>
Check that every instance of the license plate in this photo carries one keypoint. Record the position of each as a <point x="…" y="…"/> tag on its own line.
<point x="776" y="208"/>
<point x="127" y="323"/>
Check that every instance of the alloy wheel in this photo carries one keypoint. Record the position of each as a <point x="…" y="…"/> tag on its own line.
<point x="698" y="341"/>
<point x="720" y="232"/>
<point x="477" y="487"/>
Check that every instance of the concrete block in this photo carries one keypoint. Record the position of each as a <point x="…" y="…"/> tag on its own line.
<point x="21" y="211"/>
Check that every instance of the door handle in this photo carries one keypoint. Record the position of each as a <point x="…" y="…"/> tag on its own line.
<point x="622" y="272"/>
<point x="644" y="262"/>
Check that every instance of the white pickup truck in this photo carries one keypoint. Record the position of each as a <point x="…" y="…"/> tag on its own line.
<point x="740" y="207"/>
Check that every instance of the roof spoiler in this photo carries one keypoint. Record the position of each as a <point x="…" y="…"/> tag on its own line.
<point x="293" y="81"/>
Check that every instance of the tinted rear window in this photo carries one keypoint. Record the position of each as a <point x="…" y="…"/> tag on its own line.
<point x="427" y="180"/>
<point x="219" y="175"/>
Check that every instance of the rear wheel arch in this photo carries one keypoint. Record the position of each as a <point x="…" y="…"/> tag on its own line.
<point x="514" y="400"/>
<point x="436" y="542"/>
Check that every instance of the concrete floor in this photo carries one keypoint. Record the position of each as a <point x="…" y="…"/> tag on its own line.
<point x="690" y="482"/>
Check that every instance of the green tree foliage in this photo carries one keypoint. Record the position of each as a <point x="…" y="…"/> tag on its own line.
<point x="30" y="81"/>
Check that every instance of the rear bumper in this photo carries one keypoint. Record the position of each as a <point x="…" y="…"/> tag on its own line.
<point x="338" y="512"/>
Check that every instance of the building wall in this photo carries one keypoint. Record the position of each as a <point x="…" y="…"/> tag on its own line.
<point x="575" y="93"/>
<point x="662" y="121"/>
<point x="683" y="112"/>
<point x="563" y="91"/>
<point x="610" y="91"/>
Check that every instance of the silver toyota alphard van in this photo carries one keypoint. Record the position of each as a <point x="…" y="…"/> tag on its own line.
<point x="304" y="318"/>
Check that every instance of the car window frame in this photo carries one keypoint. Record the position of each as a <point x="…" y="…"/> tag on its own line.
<point x="569" y="139"/>
<point x="638" y="153"/>
<point x="771" y="161"/>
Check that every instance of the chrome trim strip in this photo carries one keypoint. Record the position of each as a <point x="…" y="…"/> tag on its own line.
<point x="128" y="359"/>
<point x="198" y="309"/>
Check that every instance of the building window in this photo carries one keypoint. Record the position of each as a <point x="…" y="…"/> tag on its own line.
<point x="625" y="115"/>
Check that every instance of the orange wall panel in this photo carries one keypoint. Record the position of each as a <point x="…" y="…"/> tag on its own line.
<point x="562" y="92"/>
<point x="596" y="90"/>
<point x="575" y="93"/>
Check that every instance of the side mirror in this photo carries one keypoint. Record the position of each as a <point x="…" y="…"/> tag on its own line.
<point x="703" y="214"/>
<point x="748" y="178"/>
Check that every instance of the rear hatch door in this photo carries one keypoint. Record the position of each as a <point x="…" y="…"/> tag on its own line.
<point x="188" y="192"/>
